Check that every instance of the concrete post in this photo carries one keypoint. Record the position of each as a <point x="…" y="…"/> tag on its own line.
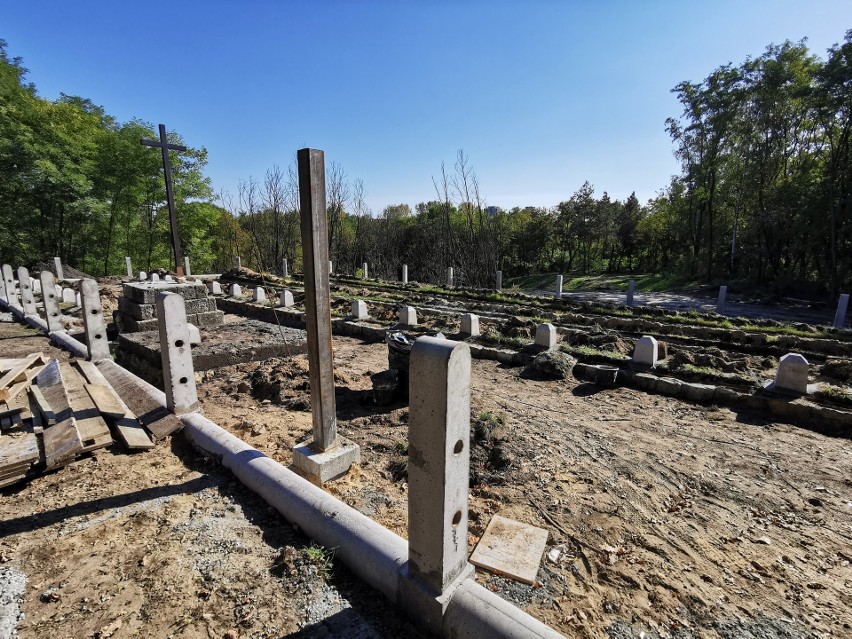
<point x="450" y="279"/>
<point x="93" y="321"/>
<point x="3" y="288"/>
<point x="438" y="469"/>
<point x="27" y="297"/>
<point x="259" y="294"/>
<point x="470" y="325"/>
<point x="499" y="285"/>
<point x="558" y="292"/>
<point x="359" y="310"/>
<point x="330" y="267"/>
<point x="792" y="373"/>
<point x="720" y="303"/>
<point x="52" y="312"/>
<point x="176" y="354"/>
<point x="404" y="274"/>
<point x="364" y="268"/>
<point x="328" y="455"/>
<point x="129" y="266"/>
<point x="840" y="315"/>
<point x="286" y="299"/>
<point x="285" y="271"/>
<point x="631" y="288"/>
<point x="11" y="290"/>
<point x="646" y="351"/>
<point x="186" y="266"/>
<point x="58" y="264"/>
<point x="239" y="262"/>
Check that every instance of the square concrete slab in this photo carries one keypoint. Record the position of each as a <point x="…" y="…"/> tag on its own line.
<point x="510" y="548"/>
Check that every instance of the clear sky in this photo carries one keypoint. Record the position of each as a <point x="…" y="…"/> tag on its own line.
<point x="540" y="95"/>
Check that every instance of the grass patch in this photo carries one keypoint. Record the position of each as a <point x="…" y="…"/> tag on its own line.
<point x="322" y="558"/>
<point x="590" y="352"/>
<point x="483" y="425"/>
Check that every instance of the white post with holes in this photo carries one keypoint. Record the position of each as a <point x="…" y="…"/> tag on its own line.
<point x="27" y="298"/>
<point x="438" y="467"/>
<point x="631" y="288"/>
<point x="11" y="291"/>
<point x="93" y="320"/>
<point x="58" y="264"/>
<point x="52" y="312"/>
<point x="175" y="353"/>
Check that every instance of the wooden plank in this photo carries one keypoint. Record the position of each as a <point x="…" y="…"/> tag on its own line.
<point x="159" y="421"/>
<point x="35" y="415"/>
<point x="61" y="440"/>
<point x="15" y="389"/>
<point x="94" y="432"/>
<point x="18" y="450"/>
<point x="127" y="426"/>
<point x="43" y="406"/>
<point x="12" y="480"/>
<point x="105" y="400"/>
<point x="511" y="548"/>
<point x="15" y="371"/>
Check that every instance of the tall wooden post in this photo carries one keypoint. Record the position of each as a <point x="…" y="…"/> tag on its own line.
<point x="328" y="455"/>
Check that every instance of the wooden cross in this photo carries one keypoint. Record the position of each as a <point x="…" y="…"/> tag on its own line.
<point x="163" y="143"/>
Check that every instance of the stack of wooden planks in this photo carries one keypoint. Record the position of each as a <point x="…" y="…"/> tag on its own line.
<point x="52" y="412"/>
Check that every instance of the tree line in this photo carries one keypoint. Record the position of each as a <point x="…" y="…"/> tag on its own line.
<point x="764" y="194"/>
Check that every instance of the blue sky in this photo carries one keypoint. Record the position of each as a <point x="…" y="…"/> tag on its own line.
<point x="542" y="96"/>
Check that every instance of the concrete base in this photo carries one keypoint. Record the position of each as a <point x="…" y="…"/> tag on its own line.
<point x="321" y="467"/>
<point x="423" y="603"/>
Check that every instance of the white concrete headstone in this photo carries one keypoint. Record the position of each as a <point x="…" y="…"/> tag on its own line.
<point x="169" y="278"/>
<point x="235" y="290"/>
<point x="68" y="295"/>
<point x="142" y="276"/>
<point x="194" y="334"/>
<point x="646" y="350"/>
<point x="286" y="299"/>
<point x="359" y="309"/>
<point x="259" y="294"/>
<point x="450" y="277"/>
<point x="214" y="288"/>
<point x="155" y="277"/>
<point x="792" y="373"/>
<point x="470" y="324"/>
<point x="499" y="285"/>
<point x="545" y="335"/>
<point x="408" y="316"/>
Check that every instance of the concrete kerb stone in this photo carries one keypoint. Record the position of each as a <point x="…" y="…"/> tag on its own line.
<point x="438" y="468"/>
<point x="470" y="325"/>
<point x="27" y="297"/>
<point x="545" y="336"/>
<point x="52" y="312"/>
<point x="178" y="371"/>
<point x="359" y="310"/>
<point x="93" y="321"/>
<point x="645" y="351"/>
<point x="407" y="316"/>
<point x="285" y="299"/>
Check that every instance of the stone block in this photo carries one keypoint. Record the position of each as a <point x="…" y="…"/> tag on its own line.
<point x="146" y="292"/>
<point x="286" y="299"/>
<point x="138" y="326"/>
<point x="470" y="324"/>
<point x="545" y="335"/>
<point x="201" y="305"/>
<point x="323" y="466"/>
<point x="359" y="310"/>
<point x="210" y="318"/>
<point x="645" y="352"/>
<point x="137" y="311"/>
<point x="792" y="374"/>
<point x="408" y="316"/>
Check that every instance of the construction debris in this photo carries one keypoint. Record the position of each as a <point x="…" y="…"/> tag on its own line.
<point x="52" y="412"/>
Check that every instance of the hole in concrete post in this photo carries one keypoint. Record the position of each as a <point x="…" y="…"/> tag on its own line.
<point x="183" y="380"/>
<point x="98" y="336"/>
<point x="51" y="296"/>
<point x="94" y="311"/>
<point x="456" y="518"/>
<point x="458" y="447"/>
<point x="178" y="343"/>
<point x="54" y="314"/>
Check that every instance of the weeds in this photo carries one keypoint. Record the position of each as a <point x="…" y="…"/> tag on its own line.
<point x="321" y="558"/>
<point x="484" y="424"/>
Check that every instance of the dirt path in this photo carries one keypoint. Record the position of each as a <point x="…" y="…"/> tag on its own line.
<point x="674" y="520"/>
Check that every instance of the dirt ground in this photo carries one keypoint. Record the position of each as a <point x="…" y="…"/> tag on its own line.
<point x="668" y="518"/>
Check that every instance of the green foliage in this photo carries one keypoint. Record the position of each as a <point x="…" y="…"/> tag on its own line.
<point x="484" y="424"/>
